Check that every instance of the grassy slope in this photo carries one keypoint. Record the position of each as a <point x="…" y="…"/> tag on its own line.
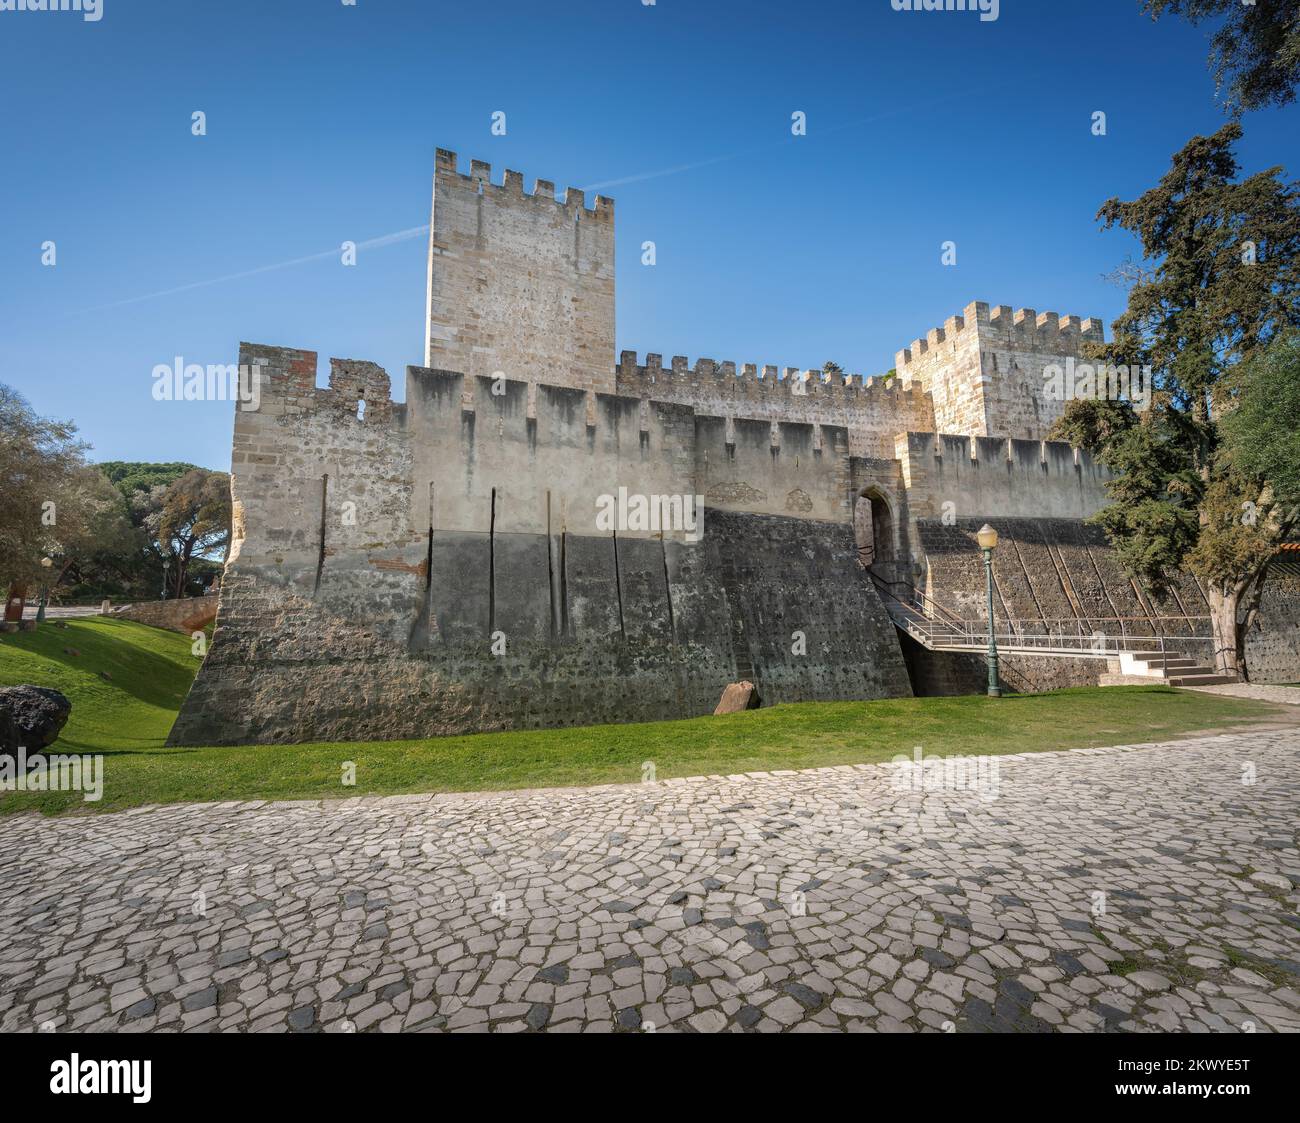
<point x="152" y="671"/>
<point x="127" y="719"/>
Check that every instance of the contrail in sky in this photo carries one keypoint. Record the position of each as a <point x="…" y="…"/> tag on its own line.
<point x="373" y="243"/>
<point x="420" y="231"/>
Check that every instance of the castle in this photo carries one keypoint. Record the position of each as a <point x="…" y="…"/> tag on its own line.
<point x="441" y="565"/>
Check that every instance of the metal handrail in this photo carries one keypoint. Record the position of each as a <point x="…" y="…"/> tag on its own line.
<point x="1098" y="645"/>
<point x="1086" y="620"/>
<point x="920" y="600"/>
<point x="944" y="628"/>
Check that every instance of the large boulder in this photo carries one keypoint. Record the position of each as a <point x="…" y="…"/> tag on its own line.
<point x="737" y="697"/>
<point x="31" y="716"/>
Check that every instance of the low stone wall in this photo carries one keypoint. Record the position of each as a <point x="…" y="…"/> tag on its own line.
<point x="186" y="614"/>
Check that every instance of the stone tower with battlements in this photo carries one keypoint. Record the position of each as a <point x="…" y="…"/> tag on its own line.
<point x="519" y="284"/>
<point x="984" y="369"/>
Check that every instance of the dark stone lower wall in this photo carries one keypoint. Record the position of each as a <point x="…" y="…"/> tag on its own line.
<point x="586" y="630"/>
<point x="1046" y="571"/>
<point x="948" y="673"/>
<point x="1273" y="642"/>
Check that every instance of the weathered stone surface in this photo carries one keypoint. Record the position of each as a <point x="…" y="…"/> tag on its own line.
<point x="1273" y="641"/>
<point x="520" y="282"/>
<point x="642" y="631"/>
<point x="176" y="614"/>
<point x="9" y="739"/>
<point x="36" y="716"/>
<point x="738" y="696"/>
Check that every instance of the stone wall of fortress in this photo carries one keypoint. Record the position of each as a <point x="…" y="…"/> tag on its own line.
<point x="873" y="410"/>
<point x="437" y="567"/>
<point x="984" y="368"/>
<point x="519" y="283"/>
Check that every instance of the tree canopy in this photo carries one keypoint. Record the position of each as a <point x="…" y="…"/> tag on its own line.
<point x="1208" y="315"/>
<point x="1254" y="53"/>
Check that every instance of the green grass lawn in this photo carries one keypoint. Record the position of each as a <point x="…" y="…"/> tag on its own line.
<point x="127" y="720"/>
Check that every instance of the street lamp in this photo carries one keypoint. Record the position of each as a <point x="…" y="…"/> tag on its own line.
<point x="46" y="563"/>
<point x="167" y="564"/>
<point x="987" y="537"/>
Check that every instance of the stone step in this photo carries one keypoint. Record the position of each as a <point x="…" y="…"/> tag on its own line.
<point x="1205" y="677"/>
<point x="1155" y="656"/>
<point x="1155" y="665"/>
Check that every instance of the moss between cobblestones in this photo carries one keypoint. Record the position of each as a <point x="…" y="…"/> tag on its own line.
<point x="127" y="718"/>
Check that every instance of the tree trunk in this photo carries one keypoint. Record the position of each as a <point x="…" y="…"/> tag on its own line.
<point x="1225" y="629"/>
<point x="14" y="601"/>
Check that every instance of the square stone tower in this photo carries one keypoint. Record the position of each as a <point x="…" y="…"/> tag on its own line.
<point x="519" y="284"/>
<point x="984" y="369"/>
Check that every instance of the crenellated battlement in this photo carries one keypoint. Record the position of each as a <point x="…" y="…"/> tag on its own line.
<point x="748" y="380"/>
<point x="1017" y="329"/>
<point x="512" y="186"/>
<point x="519" y="283"/>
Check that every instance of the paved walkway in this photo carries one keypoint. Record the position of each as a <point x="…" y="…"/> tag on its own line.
<point x="55" y="613"/>
<point x="1138" y="888"/>
<point x="1259" y="691"/>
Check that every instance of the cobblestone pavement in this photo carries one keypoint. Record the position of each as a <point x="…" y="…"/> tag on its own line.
<point x="1136" y="888"/>
<point x="1260" y="691"/>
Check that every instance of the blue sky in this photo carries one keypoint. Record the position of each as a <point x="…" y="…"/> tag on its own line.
<point x="323" y="119"/>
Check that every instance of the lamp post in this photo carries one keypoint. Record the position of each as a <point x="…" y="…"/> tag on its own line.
<point x="167" y="564"/>
<point x="987" y="537"/>
<point x="46" y="563"/>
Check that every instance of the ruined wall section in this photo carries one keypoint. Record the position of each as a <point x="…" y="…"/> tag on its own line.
<point x="519" y="283"/>
<point x="984" y="368"/>
<point x="873" y="410"/>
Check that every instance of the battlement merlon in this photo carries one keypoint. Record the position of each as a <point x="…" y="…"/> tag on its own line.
<point x="648" y="379"/>
<point x="480" y="178"/>
<point x="1022" y="328"/>
<point x="286" y="384"/>
<point x="960" y="448"/>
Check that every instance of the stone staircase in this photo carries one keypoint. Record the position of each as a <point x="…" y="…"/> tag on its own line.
<point x="1176" y="670"/>
<point x="1131" y="658"/>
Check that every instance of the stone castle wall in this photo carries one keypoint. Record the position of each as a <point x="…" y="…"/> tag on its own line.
<point x="1273" y="642"/>
<point x="440" y="566"/>
<point x="873" y="410"/>
<point x="436" y="567"/>
<point x="519" y="283"/>
<point x="984" y="369"/>
<point x="1048" y="575"/>
<point x="1061" y="577"/>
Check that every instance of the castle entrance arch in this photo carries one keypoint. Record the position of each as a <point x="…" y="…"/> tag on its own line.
<point x="875" y="530"/>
